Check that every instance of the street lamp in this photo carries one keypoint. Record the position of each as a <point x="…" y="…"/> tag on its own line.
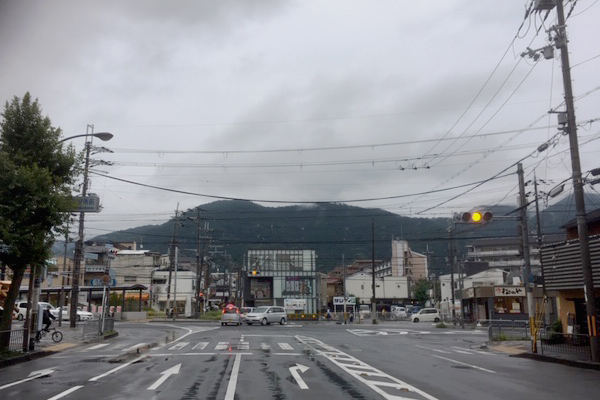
<point x="104" y="136"/>
<point x="79" y="245"/>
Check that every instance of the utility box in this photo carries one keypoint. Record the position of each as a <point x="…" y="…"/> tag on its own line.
<point x="544" y="5"/>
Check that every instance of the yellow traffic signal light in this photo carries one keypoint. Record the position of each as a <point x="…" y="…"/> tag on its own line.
<point x="254" y="272"/>
<point x="477" y="217"/>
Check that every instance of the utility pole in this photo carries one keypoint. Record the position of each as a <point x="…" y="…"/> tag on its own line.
<point x="172" y="259"/>
<point x="373" y="305"/>
<point x="582" y="229"/>
<point x="539" y="242"/>
<point x="526" y="258"/>
<point x="451" y="260"/>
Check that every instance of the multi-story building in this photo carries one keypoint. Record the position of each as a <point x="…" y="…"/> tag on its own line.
<point x="272" y="277"/>
<point x="174" y="289"/>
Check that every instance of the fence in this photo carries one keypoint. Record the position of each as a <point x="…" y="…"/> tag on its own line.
<point x="500" y="329"/>
<point x="92" y="327"/>
<point x="14" y="338"/>
<point x="566" y="343"/>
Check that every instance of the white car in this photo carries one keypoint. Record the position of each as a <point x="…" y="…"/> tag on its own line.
<point x="22" y="306"/>
<point x="427" y="315"/>
<point x="267" y="315"/>
<point x="399" y="312"/>
<point x="81" y="315"/>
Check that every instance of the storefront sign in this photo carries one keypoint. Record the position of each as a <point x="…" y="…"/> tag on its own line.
<point x="509" y="291"/>
<point x="339" y="301"/>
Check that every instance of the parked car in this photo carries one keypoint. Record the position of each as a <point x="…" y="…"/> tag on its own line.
<point x="81" y="315"/>
<point x="364" y="311"/>
<point x="244" y="311"/>
<point x="399" y="312"/>
<point x="22" y="306"/>
<point x="427" y="314"/>
<point x="267" y="315"/>
<point x="231" y="315"/>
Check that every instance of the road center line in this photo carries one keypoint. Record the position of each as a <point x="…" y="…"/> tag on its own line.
<point x="468" y="365"/>
<point x="229" y="395"/>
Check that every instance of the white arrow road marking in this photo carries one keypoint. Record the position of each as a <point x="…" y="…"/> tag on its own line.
<point x="229" y="395"/>
<point x="66" y="392"/>
<point x="296" y="374"/>
<point x="32" y="376"/>
<point x="165" y="375"/>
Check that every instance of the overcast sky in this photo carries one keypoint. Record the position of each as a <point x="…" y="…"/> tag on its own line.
<point x="404" y="102"/>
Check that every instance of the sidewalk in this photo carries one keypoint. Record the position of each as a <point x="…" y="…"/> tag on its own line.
<point x="522" y="348"/>
<point x="72" y="337"/>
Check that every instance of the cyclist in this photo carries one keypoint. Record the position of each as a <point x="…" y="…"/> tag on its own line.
<point x="47" y="319"/>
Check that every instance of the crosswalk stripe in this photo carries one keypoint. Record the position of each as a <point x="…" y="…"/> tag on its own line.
<point x="264" y="346"/>
<point x="222" y="346"/>
<point x="96" y="347"/>
<point x="285" y="346"/>
<point x="200" y="345"/>
<point x="179" y="346"/>
<point x="134" y="347"/>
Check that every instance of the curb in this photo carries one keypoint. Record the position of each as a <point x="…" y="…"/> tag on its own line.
<point x="571" y="363"/>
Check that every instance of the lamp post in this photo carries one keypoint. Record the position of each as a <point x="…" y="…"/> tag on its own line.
<point x="79" y="244"/>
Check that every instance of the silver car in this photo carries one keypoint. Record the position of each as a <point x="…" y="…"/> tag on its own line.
<point x="267" y="315"/>
<point x="231" y="315"/>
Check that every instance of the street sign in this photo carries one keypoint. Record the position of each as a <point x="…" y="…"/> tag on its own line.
<point x="87" y="203"/>
<point x="340" y="300"/>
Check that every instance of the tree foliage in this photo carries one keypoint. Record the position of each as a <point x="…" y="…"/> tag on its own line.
<point x="36" y="178"/>
<point x="420" y="290"/>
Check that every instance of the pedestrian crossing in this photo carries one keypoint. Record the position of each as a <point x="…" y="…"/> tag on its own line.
<point x="400" y="332"/>
<point x="187" y="346"/>
<point x="457" y="350"/>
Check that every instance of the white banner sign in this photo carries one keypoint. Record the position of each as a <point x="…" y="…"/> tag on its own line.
<point x="339" y="301"/>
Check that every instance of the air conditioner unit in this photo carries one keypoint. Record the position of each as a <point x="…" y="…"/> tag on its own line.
<point x="544" y="5"/>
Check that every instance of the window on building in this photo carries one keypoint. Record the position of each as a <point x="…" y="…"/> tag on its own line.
<point x="130" y="278"/>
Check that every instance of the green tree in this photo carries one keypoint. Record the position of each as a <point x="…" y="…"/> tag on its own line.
<point x="420" y="290"/>
<point x="36" y="178"/>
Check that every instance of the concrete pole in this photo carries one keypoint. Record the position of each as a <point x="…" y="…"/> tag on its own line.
<point x="373" y="304"/>
<point x="586" y="264"/>
<point x="526" y="257"/>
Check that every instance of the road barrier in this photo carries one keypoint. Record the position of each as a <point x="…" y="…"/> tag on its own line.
<point x="566" y="343"/>
<point x="500" y="329"/>
<point x="14" y="338"/>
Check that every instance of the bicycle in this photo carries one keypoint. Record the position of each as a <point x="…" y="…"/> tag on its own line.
<point x="57" y="336"/>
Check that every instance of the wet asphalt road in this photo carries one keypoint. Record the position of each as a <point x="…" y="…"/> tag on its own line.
<point x="312" y="361"/>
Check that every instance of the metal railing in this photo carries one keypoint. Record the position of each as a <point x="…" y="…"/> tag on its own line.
<point x="500" y="329"/>
<point x="14" y="338"/>
<point x="566" y="343"/>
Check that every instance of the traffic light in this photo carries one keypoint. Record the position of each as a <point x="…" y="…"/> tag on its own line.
<point x="255" y="272"/>
<point x="477" y="217"/>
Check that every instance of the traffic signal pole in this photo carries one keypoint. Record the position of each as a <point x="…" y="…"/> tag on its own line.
<point x="526" y="257"/>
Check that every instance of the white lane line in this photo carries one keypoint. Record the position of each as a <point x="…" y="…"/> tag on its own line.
<point x="468" y="365"/>
<point x="116" y="369"/>
<point x="287" y="336"/>
<point x="463" y="352"/>
<point x="66" y="392"/>
<point x="286" y="354"/>
<point x="472" y="351"/>
<point x="200" y="345"/>
<point x="437" y="350"/>
<point x="134" y="347"/>
<point x="285" y="346"/>
<point x="229" y="395"/>
<point x="96" y="347"/>
<point x="179" y="346"/>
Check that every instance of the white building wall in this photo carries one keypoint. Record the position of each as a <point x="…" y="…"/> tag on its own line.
<point x="182" y="289"/>
<point x="388" y="287"/>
